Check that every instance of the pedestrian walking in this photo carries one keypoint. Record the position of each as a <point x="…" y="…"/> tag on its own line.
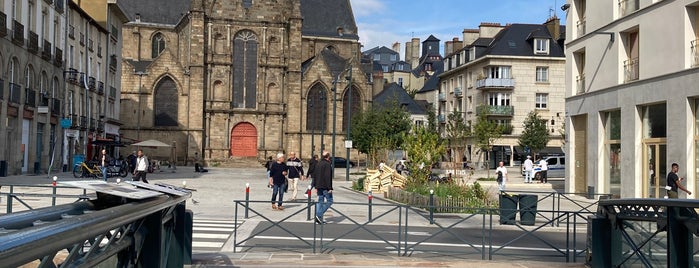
<point x="295" y="173"/>
<point x="528" y="169"/>
<point x="323" y="182"/>
<point x="277" y="180"/>
<point x="674" y="182"/>
<point x="544" y="171"/>
<point x="141" y="167"/>
<point x="502" y="175"/>
<point x="104" y="163"/>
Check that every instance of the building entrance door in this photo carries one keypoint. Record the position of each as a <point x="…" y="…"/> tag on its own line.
<point x="655" y="169"/>
<point x="244" y="140"/>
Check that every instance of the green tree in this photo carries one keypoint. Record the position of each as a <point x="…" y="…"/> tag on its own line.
<point x="486" y="132"/>
<point x="424" y="148"/>
<point x="535" y="135"/>
<point x="431" y="119"/>
<point x="457" y="131"/>
<point x="378" y="129"/>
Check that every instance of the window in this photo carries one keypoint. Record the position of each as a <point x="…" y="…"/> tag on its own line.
<point x="377" y="56"/>
<point x="384" y="68"/>
<point x="245" y="70"/>
<point x="400" y="81"/>
<point x="499" y="99"/>
<point x="356" y="100"/>
<point x="612" y="127"/>
<point x="157" y="45"/>
<point x="542" y="74"/>
<point x="498" y="72"/>
<point x="165" y="103"/>
<point x="542" y="100"/>
<point x="317" y="108"/>
<point x="394" y="57"/>
<point x="541" y="46"/>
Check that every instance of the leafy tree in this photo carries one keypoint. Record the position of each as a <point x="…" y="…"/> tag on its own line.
<point x="535" y="135"/>
<point x="431" y="119"/>
<point x="378" y="129"/>
<point x="486" y="132"/>
<point x="457" y="131"/>
<point x="424" y="148"/>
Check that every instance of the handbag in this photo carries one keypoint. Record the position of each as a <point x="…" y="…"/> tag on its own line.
<point x="285" y="186"/>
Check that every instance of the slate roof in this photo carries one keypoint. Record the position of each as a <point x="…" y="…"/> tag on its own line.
<point x="431" y="84"/>
<point x="140" y="66"/>
<point x="156" y="11"/>
<point x="335" y="63"/>
<point x="394" y="92"/>
<point x="381" y="49"/>
<point x="517" y="40"/>
<point x="324" y="17"/>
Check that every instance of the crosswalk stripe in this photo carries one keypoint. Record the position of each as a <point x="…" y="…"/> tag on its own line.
<point x="214" y="225"/>
<point x="209" y="235"/>
<point x="213" y="229"/>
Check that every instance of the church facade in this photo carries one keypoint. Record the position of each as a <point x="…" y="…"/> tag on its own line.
<point x="241" y="78"/>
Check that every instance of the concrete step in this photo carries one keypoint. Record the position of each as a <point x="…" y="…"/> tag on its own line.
<point x="237" y="162"/>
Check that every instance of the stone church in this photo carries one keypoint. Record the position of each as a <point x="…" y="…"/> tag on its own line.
<point x="241" y="79"/>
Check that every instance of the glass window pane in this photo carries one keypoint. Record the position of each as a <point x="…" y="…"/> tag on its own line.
<point x="613" y="125"/>
<point x="655" y="121"/>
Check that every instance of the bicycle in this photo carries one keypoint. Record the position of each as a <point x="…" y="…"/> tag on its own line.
<point x="82" y="170"/>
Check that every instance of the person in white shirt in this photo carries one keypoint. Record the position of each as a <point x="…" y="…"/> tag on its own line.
<point x="544" y="169"/>
<point x="528" y="168"/>
<point x="501" y="171"/>
<point x="141" y="167"/>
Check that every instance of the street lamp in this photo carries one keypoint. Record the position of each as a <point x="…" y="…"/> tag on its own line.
<point x="313" y="126"/>
<point x="138" y="116"/>
<point x="348" y="140"/>
<point x="335" y="81"/>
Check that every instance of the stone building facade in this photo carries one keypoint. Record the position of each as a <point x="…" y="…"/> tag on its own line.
<point x="240" y="79"/>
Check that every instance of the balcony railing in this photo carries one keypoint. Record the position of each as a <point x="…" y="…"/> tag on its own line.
<point x="495" y="83"/>
<point x="15" y="93"/>
<point x="75" y="121"/>
<point x="581" y="27"/>
<point x="113" y="62"/>
<point x="2" y="89"/>
<point x="442" y="97"/>
<point x="83" y="121"/>
<point x="58" y="60"/>
<point x="112" y="92"/>
<point x="93" y="124"/>
<point x="99" y="50"/>
<point x="55" y="106"/>
<point x="72" y="75"/>
<point x="580" y="81"/>
<point x="631" y="69"/>
<point x="100" y="126"/>
<point x="71" y="32"/>
<point x="33" y="44"/>
<point x="458" y="92"/>
<point x="695" y="52"/>
<point x="92" y="83"/>
<point x="82" y="39"/>
<point x="82" y="80"/>
<point x="30" y="97"/>
<point x="3" y="24"/>
<point x="627" y="7"/>
<point x="489" y="110"/>
<point x="43" y="100"/>
<point x="17" y="33"/>
<point x="46" y="50"/>
<point x="100" y="87"/>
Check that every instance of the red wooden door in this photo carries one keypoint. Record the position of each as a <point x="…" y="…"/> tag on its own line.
<point x="244" y="140"/>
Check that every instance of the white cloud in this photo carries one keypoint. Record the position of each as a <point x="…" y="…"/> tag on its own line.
<point x="367" y="7"/>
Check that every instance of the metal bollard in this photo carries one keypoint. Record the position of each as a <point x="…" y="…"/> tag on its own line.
<point x="370" y="197"/>
<point x="53" y="198"/>
<point x="431" y="206"/>
<point x="10" y="196"/>
<point x="247" y="199"/>
<point x="308" y="199"/>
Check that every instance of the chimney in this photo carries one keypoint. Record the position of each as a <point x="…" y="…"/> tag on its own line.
<point x="396" y="47"/>
<point x="457" y="44"/>
<point x="489" y="29"/>
<point x="470" y="36"/>
<point x="448" y="47"/>
<point x="553" y="24"/>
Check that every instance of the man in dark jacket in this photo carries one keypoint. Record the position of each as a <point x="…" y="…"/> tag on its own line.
<point x="277" y="179"/>
<point x="295" y="173"/>
<point x="323" y="182"/>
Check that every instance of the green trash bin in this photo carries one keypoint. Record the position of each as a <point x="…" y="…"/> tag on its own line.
<point x="527" y="209"/>
<point x="508" y="208"/>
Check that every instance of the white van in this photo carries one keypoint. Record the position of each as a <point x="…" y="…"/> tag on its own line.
<point x="557" y="167"/>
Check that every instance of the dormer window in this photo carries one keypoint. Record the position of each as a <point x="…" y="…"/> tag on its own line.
<point x="541" y="46"/>
<point x="377" y="57"/>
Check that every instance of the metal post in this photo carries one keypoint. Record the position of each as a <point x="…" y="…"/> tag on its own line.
<point x="10" y="196"/>
<point x="370" y="197"/>
<point x="138" y="116"/>
<point x="247" y="199"/>
<point x="53" y="197"/>
<point x="313" y="127"/>
<point x="332" y="163"/>
<point x="431" y="206"/>
<point x="324" y="121"/>
<point x="308" y="202"/>
<point x="349" y="122"/>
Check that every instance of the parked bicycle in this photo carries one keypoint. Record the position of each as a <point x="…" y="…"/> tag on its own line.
<point x="91" y="170"/>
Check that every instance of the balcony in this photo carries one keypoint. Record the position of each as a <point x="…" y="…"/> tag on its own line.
<point x="3" y="24"/>
<point x="55" y="106"/>
<point x="71" y="32"/>
<point x="627" y="7"/>
<point x="498" y="83"/>
<point x="458" y="92"/>
<point x="46" y="50"/>
<point x="442" y="97"/>
<point x="59" y="6"/>
<point x="82" y="39"/>
<point x="29" y="97"/>
<point x="72" y="75"/>
<point x="58" y="60"/>
<point x="441" y="118"/>
<point x="99" y="50"/>
<point x="92" y="83"/>
<point x="17" y="33"/>
<point x="83" y="122"/>
<point x="90" y="44"/>
<point x="113" y="63"/>
<point x="496" y="110"/>
<point x="581" y="27"/>
<point x="112" y="92"/>
<point x="631" y="70"/>
<point x="114" y="34"/>
<point x="75" y="121"/>
<point x="93" y="124"/>
<point x="43" y="100"/>
<point x="33" y="44"/>
<point x="100" y="88"/>
<point x="15" y="93"/>
<point x="100" y="126"/>
<point x="580" y="84"/>
<point x="83" y="80"/>
<point x="695" y="52"/>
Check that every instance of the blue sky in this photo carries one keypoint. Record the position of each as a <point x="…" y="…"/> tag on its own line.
<point x="384" y="22"/>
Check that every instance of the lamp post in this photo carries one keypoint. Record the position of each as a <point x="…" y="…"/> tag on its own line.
<point x="313" y="127"/>
<point x="323" y="124"/>
<point x="348" y="140"/>
<point x="138" y="116"/>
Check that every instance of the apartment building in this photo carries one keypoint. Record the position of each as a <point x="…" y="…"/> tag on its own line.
<point x="505" y="72"/>
<point x="632" y="99"/>
<point x="387" y="64"/>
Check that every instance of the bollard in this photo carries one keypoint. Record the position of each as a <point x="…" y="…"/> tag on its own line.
<point x="247" y="199"/>
<point x="308" y="199"/>
<point x="53" y="198"/>
<point x="10" y="196"/>
<point x="370" y="197"/>
<point x="431" y="206"/>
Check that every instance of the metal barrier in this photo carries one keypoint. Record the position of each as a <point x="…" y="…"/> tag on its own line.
<point x="406" y="231"/>
<point x="16" y="196"/>
<point x="557" y="197"/>
<point x="630" y="232"/>
<point x="109" y="230"/>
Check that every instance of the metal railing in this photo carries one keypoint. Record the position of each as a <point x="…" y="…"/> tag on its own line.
<point x="25" y="198"/>
<point x="580" y="83"/>
<point x="694" y="46"/>
<point x="581" y="26"/>
<point x="631" y="69"/>
<point x="495" y="83"/>
<point x="627" y="7"/>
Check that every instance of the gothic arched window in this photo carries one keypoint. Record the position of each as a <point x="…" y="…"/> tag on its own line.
<point x="356" y="100"/>
<point x="317" y="108"/>
<point x="157" y="45"/>
<point x="165" y="103"/>
<point x="244" y="70"/>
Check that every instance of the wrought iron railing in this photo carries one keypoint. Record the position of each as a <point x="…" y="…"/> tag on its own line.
<point x="56" y="106"/>
<point x="580" y="84"/>
<point x="46" y="50"/>
<point x="631" y="70"/>
<point x="694" y="46"/>
<point x="15" y="93"/>
<point x="581" y="27"/>
<point x="3" y="24"/>
<point x="58" y="60"/>
<point x="17" y="33"/>
<point x="30" y="97"/>
<point x="33" y="42"/>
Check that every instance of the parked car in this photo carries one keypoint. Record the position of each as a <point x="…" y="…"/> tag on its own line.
<point x="557" y="167"/>
<point x="341" y="162"/>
